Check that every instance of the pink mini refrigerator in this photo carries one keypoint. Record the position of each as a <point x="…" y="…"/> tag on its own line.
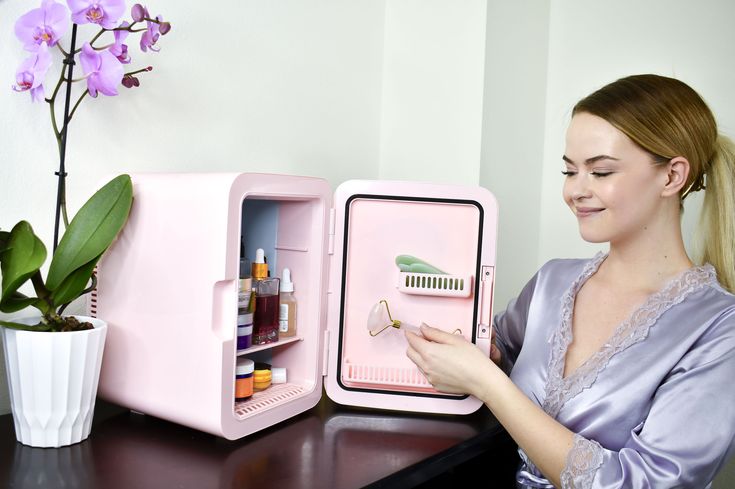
<point x="373" y="253"/>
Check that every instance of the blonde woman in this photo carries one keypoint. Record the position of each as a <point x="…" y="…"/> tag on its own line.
<point x="621" y="367"/>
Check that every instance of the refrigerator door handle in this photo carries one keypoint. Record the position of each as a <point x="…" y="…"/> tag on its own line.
<point x="484" y="326"/>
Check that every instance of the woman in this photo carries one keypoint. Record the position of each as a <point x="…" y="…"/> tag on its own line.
<point x="621" y="366"/>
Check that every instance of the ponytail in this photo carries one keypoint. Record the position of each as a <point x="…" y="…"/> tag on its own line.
<point x="717" y="220"/>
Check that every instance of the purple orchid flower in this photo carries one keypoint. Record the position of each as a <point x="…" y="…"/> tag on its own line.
<point x="103" y="12"/>
<point x="150" y="38"/>
<point x="152" y="33"/>
<point x="46" y="24"/>
<point x="102" y="70"/>
<point x="138" y="12"/>
<point x="119" y="49"/>
<point x="32" y="72"/>
<point x="154" y="30"/>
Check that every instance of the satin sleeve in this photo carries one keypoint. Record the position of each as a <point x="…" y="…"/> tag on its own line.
<point x="688" y="434"/>
<point x="509" y="326"/>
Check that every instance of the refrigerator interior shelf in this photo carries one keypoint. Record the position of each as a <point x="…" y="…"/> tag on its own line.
<point x="266" y="346"/>
<point x="269" y="398"/>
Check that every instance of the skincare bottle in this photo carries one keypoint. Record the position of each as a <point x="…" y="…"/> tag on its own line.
<point x="244" y="331"/>
<point x="245" y="284"/>
<point x="262" y="376"/>
<point x="287" y="310"/>
<point x="278" y="375"/>
<point x="266" y="290"/>
<point x="244" y="379"/>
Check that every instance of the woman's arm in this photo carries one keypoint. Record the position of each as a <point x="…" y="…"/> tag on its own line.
<point x="686" y="437"/>
<point x="452" y="364"/>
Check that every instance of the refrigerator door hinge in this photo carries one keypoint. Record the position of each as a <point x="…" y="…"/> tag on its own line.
<point x="332" y="221"/>
<point x="325" y="354"/>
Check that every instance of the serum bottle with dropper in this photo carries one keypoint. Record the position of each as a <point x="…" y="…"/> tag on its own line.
<point x="287" y="315"/>
<point x="266" y="291"/>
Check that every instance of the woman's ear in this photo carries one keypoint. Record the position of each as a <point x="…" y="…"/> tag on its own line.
<point x="677" y="172"/>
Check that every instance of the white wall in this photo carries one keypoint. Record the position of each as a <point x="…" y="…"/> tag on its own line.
<point x="431" y="117"/>
<point x="593" y="43"/>
<point x="513" y="134"/>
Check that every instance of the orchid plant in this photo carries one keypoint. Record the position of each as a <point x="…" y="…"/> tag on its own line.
<point x="100" y="219"/>
<point x="85" y="240"/>
<point x="41" y="31"/>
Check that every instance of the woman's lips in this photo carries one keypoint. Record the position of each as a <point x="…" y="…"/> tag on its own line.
<point x="588" y="211"/>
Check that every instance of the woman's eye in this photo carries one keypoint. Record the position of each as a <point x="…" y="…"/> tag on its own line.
<point x="600" y="174"/>
<point x="568" y="173"/>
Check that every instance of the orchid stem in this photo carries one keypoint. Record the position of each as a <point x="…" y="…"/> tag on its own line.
<point x="71" y="114"/>
<point x="61" y="187"/>
<point x="52" y="103"/>
<point x="97" y="36"/>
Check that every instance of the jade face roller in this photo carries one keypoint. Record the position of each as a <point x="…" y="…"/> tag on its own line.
<point x="380" y="319"/>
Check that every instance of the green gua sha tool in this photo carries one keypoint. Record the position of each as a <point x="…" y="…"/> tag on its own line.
<point x="408" y="263"/>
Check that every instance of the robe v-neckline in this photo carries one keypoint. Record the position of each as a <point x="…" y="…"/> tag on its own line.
<point x="634" y="329"/>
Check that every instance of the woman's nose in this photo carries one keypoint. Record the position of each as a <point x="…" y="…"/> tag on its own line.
<point x="579" y="187"/>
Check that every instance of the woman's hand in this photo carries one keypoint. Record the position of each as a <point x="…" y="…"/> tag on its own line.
<point x="450" y="362"/>
<point x="453" y="364"/>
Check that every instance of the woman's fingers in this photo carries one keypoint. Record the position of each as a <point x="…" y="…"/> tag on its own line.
<point x="438" y="336"/>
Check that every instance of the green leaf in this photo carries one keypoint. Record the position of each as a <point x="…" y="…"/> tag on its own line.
<point x="23" y="255"/>
<point x="4" y="237"/>
<point x="92" y="230"/>
<point x="17" y="302"/>
<point x="25" y="327"/>
<point x="73" y="286"/>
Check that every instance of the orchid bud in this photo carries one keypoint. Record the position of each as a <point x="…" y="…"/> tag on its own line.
<point x="164" y="27"/>
<point x="137" y="12"/>
<point x="129" y="81"/>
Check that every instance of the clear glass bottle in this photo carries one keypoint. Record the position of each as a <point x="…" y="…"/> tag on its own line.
<point x="266" y="290"/>
<point x="287" y="309"/>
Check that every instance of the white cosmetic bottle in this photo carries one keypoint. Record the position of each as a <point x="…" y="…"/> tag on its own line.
<point x="287" y="312"/>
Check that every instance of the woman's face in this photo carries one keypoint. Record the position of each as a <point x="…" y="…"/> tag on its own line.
<point x="611" y="184"/>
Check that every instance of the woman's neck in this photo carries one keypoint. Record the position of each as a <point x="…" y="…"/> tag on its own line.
<point x="648" y="261"/>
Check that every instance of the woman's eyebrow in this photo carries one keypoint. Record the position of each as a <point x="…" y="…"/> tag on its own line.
<point x="589" y="161"/>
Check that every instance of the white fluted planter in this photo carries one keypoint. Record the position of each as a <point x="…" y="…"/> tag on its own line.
<point x="53" y="381"/>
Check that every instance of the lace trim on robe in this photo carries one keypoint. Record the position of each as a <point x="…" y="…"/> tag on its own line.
<point x="585" y="457"/>
<point x="583" y="460"/>
<point x="631" y="331"/>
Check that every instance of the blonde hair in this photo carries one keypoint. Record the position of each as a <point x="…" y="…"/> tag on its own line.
<point x="667" y="118"/>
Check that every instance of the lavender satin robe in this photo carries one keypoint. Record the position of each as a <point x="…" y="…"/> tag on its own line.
<point x="655" y="406"/>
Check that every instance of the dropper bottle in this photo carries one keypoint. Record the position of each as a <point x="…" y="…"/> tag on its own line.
<point x="287" y="314"/>
<point x="266" y="291"/>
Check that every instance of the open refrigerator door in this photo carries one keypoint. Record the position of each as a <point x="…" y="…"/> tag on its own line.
<point x="403" y="254"/>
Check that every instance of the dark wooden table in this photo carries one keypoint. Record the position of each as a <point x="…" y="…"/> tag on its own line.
<point x="329" y="446"/>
